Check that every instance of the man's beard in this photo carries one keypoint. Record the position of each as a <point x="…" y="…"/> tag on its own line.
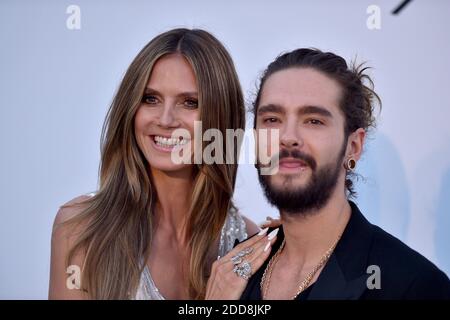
<point x="303" y="199"/>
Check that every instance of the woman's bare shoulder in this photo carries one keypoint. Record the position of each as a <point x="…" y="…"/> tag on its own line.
<point x="64" y="236"/>
<point x="71" y="209"/>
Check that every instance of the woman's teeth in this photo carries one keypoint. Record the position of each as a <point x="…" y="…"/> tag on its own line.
<point x="168" y="142"/>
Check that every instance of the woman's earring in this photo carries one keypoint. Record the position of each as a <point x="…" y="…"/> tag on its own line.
<point x="350" y="164"/>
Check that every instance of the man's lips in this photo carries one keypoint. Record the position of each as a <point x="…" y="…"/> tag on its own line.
<point x="292" y="163"/>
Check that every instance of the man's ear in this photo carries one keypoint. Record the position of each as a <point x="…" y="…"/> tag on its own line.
<point x="355" y="144"/>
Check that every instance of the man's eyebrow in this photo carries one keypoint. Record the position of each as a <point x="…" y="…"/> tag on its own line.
<point x="275" y="108"/>
<point x="149" y="90"/>
<point x="315" y="110"/>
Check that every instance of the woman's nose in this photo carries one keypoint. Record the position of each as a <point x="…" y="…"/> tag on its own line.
<point x="168" y="117"/>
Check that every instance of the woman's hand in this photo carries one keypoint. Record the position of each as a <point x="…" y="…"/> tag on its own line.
<point x="270" y="223"/>
<point x="229" y="274"/>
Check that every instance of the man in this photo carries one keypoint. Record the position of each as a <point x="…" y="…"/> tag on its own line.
<point x="326" y="249"/>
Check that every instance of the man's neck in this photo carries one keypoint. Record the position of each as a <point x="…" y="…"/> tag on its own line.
<point x="309" y="235"/>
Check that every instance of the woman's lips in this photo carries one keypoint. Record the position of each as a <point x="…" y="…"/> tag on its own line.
<point x="159" y="147"/>
<point x="166" y="143"/>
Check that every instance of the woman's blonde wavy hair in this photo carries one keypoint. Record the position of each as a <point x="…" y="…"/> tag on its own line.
<point x="117" y="220"/>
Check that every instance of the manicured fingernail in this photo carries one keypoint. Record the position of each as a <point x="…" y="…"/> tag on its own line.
<point x="263" y="231"/>
<point x="267" y="246"/>
<point x="273" y="234"/>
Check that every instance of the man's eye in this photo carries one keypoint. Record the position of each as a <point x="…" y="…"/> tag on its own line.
<point x="149" y="99"/>
<point x="270" y="120"/>
<point x="314" y="122"/>
<point x="191" y="103"/>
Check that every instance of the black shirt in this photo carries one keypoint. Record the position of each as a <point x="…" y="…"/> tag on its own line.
<point x="348" y="273"/>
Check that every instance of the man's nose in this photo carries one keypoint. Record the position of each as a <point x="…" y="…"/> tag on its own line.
<point x="290" y="136"/>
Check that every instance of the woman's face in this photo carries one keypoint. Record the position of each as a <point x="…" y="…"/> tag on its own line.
<point x="170" y="102"/>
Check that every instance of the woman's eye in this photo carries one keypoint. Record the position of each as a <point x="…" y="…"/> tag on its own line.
<point x="191" y="103"/>
<point x="149" y="99"/>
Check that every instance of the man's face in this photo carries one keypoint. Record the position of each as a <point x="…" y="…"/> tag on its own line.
<point x="303" y="104"/>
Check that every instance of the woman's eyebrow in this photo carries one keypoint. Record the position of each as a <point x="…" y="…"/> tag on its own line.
<point x="149" y="90"/>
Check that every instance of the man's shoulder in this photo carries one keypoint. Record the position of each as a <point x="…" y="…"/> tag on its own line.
<point x="397" y="253"/>
<point x="403" y="268"/>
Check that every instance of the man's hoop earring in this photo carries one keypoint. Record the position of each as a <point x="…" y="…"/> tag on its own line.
<point x="350" y="165"/>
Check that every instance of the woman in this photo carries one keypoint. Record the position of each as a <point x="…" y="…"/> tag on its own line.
<point x="154" y="227"/>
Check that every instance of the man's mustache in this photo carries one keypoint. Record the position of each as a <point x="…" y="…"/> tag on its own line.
<point x="295" y="154"/>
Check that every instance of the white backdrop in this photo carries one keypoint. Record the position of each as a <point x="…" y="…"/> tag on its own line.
<point x="56" y="84"/>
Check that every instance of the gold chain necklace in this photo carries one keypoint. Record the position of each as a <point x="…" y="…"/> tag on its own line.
<point x="265" y="281"/>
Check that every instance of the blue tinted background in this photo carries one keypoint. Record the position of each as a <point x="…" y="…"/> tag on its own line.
<point x="56" y="85"/>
